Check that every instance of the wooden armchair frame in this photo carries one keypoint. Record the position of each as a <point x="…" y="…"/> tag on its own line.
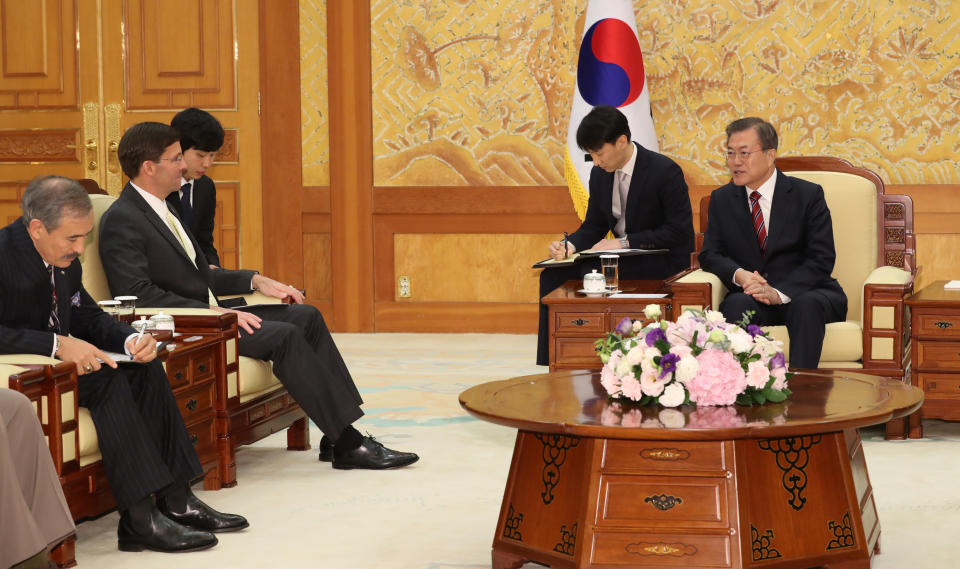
<point x="896" y="247"/>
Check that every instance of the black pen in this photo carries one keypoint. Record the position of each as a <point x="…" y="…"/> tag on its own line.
<point x="564" y="244"/>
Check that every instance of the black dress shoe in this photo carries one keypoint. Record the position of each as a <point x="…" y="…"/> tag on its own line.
<point x="200" y="516"/>
<point x="161" y="534"/>
<point x="372" y="455"/>
<point x="326" y="449"/>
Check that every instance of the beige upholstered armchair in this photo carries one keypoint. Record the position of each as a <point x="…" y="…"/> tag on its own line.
<point x="876" y="266"/>
<point x="251" y="403"/>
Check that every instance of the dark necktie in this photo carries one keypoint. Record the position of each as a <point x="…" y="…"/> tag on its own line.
<point x="53" y="323"/>
<point x="758" y="227"/>
<point x="186" y="210"/>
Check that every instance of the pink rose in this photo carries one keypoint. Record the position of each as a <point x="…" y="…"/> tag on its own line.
<point x="609" y="379"/>
<point x="779" y="378"/>
<point x="719" y="380"/>
<point x="630" y="387"/>
<point x="757" y="375"/>
<point x="682" y="351"/>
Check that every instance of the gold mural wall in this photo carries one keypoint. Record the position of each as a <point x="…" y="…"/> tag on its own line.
<point x="314" y="130"/>
<point x="475" y="92"/>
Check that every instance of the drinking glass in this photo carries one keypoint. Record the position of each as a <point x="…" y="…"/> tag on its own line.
<point x="608" y="263"/>
<point x="128" y="308"/>
<point x="111" y="307"/>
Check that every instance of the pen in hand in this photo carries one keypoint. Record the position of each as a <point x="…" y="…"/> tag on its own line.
<point x="565" y="245"/>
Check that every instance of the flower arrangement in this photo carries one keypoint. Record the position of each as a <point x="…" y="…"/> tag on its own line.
<point x="700" y="359"/>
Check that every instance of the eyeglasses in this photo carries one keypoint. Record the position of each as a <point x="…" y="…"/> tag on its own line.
<point x="177" y="158"/>
<point x="743" y="154"/>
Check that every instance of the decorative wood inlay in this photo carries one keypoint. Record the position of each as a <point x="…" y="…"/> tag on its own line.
<point x="661" y="549"/>
<point x="895" y="235"/>
<point x="39" y="145"/>
<point x="568" y="540"/>
<point x="842" y="533"/>
<point x="228" y="153"/>
<point x="893" y="211"/>
<point x="671" y="454"/>
<point x="554" y="455"/>
<point x="762" y="544"/>
<point x="511" y="527"/>
<point x="792" y="456"/>
<point x="894" y="258"/>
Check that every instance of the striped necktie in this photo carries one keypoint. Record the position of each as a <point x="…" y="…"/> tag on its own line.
<point x="53" y="323"/>
<point x="758" y="226"/>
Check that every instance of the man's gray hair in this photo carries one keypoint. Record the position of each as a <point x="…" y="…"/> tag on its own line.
<point x="49" y="198"/>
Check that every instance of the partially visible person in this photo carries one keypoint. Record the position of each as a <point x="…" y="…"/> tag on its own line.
<point x="44" y="309"/>
<point x="147" y="252"/>
<point x="769" y="239"/>
<point x="34" y="516"/>
<point x="637" y="194"/>
<point x="201" y="137"/>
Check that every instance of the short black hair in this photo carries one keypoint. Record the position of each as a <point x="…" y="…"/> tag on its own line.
<point x="765" y="130"/>
<point x="602" y="124"/>
<point x="198" y="129"/>
<point x="50" y="198"/>
<point x="142" y="142"/>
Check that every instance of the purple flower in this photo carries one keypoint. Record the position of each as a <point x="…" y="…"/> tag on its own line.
<point x="655" y="335"/>
<point x="625" y="326"/>
<point x="778" y="360"/>
<point x="668" y="364"/>
<point x="754" y="330"/>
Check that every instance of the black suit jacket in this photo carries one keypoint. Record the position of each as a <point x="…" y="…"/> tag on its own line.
<point x="204" y="213"/>
<point x="141" y="256"/>
<point x="658" y="210"/>
<point x="800" y="252"/>
<point x="25" y="300"/>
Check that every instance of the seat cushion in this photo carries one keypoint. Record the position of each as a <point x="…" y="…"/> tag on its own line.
<point x="89" y="449"/>
<point x="842" y="342"/>
<point x="256" y="378"/>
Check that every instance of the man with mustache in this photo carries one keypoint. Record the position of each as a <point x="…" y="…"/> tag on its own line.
<point x="44" y="309"/>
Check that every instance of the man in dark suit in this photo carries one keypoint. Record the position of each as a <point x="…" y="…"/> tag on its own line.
<point x="770" y="239"/>
<point x="637" y="194"/>
<point x="44" y="309"/>
<point x="201" y="136"/>
<point x="146" y="251"/>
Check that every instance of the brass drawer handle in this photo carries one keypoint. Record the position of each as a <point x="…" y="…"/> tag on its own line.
<point x="942" y="325"/>
<point x="579" y="322"/>
<point x="194" y="439"/>
<point x="663" y="502"/>
<point x="202" y="367"/>
<point x="178" y="375"/>
<point x="192" y="404"/>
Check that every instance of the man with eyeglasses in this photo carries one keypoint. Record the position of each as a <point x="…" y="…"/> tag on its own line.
<point x="769" y="238"/>
<point x="201" y="136"/>
<point x="147" y="251"/>
<point x="638" y="195"/>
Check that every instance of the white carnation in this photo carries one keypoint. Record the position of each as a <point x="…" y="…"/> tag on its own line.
<point x="635" y="355"/>
<point x="652" y="311"/>
<point x="714" y="317"/>
<point x="672" y="396"/>
<point x="624" y="366"/>
<point x="740" y="341"/>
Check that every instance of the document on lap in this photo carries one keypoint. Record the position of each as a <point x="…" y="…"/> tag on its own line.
<point x="591" y="253"/>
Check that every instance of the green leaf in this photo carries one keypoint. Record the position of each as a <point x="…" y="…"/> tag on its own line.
<point x="645" y="400"/>
<point x="774" y="395"/>
<point x="744" y="399"/>
<point x="759" y="397"/>
<point x="662" y="345"/>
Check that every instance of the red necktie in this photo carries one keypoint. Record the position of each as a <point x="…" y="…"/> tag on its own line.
<point x="758" y="227"/>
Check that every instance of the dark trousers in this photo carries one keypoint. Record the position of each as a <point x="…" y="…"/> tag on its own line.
<point x="142" y="438"/>
<point x="630" y="268"/>
<point x="307" y="362"/>
<point x="805" y="316"/>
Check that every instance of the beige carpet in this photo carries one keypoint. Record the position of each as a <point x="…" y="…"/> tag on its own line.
<point x="441" y="512"/>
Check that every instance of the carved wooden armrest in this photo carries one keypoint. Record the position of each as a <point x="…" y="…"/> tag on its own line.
<point x="696" y="289"/>
<point x="53" y="391"/>
<point x="885" y="327"/>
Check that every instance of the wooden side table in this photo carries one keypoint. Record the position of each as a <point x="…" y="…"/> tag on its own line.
<point x="935" y="347"/>
<point x="577" y="320"/>
<point x="191" y="369"/>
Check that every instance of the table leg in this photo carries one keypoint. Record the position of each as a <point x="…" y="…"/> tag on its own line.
<point x="504" y="560"/>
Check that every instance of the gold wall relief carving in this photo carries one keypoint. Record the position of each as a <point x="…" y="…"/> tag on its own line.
<point x="229" y="152"/>
<point x="54" y="145"/>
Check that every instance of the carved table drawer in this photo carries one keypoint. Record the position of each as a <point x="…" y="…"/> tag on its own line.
<point x="661" y="550"/>
<point x="577" y="351"/>
<point x="178" y="372"/>
<point x="933" y="355"/>
<point x="938" y="325"/>
<point x="939" y="385"/>
<point x="197" y="401"/>
<point x="203" y="437"/>
<point x="652" y="455"/>
<point x="592" y="322"/>
<point x="663" y="502"/>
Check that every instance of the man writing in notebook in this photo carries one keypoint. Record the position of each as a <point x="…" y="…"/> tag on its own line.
<point x="637" y="194"/>
<point x="147" y="251"/>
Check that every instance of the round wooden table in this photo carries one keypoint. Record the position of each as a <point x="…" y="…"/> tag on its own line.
<point x="596" y="483"/>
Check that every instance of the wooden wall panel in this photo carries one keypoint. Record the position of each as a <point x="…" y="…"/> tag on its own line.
<point x="10" y="195"/>
<point x="39" y="66"/>
<point x="226" y="234"/>
<point x="476" y="267"/>
<point x="40" y="145"/>
<point x="193" y="66"/>
<point x="316" y="265"/>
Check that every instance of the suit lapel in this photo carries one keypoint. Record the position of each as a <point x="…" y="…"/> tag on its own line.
<point x="744" y="220"/>
<point x="35" y="272"/>
<point x="154" y="220"/>
<point x="779" y="210"/>
<point x="637" y="181"/>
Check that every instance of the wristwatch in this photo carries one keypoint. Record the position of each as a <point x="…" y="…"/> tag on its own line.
<point x="623" y="242"/>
